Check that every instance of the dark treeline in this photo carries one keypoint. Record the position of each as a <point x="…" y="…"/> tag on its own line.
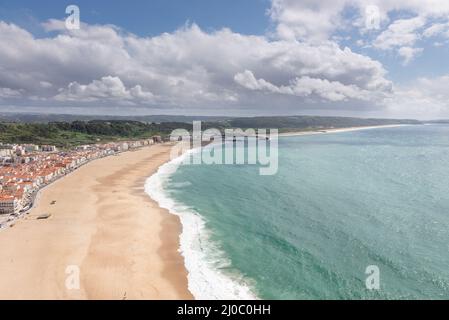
<point x="67" y="134"/>
<point x="119" y="127"/>
<point x="311" y="122"/>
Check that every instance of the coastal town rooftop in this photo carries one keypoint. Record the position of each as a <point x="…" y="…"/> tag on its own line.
<point x="24" y="169"/>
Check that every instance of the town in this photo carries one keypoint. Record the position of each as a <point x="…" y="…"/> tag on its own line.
<point x="27" y="168"/>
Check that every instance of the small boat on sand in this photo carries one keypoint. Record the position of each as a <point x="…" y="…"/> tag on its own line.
<point x="44" y="216"/>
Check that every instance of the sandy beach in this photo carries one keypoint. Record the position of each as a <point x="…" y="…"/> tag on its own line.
<point x="324" y="131"/>
<point x="103" y="225"/>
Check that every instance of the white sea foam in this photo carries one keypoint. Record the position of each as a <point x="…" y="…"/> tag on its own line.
<point x="204" y="261"/>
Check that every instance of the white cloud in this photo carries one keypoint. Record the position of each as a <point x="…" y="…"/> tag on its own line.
<point x="400" y="33"/>
<point x="409" y="53"/>
<point x="54" y="25"/>
<point x="311" y="20"/>
<point x="45" y="84"/>
<point x="402" y="36"/>
<point x="307" y="19"/>
<point x="187" y="68"/>
<point x="425" y="98"/>
<point x="9" y="93"/>
<point x="301" y="66"/>
<point x="304" y="87"/>
<point x="435" y="29"/>
<point x="438" y="29"/>
<point x="248" y="80"/>
<point x="107" y="88"/>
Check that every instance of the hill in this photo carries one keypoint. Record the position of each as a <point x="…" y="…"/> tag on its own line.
<point x="66" y="134"/>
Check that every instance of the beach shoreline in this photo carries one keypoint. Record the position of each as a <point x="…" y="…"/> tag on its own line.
<point x="338" y="130"/>
<point x="105" y="223"/>
<point x="105" y="227"/>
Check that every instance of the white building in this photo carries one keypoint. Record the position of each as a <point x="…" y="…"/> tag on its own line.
<point x="31" y="148"/>
<point x="46" y="148"/>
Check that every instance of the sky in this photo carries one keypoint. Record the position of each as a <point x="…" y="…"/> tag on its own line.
<point x="365" y="58"/>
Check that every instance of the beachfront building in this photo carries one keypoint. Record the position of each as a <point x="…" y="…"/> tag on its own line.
<point x="124" y="146"/>
<point x="26" y="168"/>
<point x="6" y="152"/>
<point x="46" y="148"/>
<point x="8" y="204"/>
<point x="29" y="148"/>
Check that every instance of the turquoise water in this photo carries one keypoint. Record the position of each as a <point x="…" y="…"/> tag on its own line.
<point x="339" y="203"/>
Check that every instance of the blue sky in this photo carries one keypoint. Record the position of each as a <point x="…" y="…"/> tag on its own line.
<point x="151" y="18"/>
<point x="254" y="57"/>
<point x="147" y="18"/>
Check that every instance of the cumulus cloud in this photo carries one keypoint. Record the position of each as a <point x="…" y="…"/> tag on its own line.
<point x="309" y="20"/>
<point x="248" y="80"/>
<point x="107" y="88"/>
<point x="187" y="68"/>
<point x="301" y="65"/>
<point x="304" y="87"/>
<point x="402" y="36"/>
<point x="401" y="33"/>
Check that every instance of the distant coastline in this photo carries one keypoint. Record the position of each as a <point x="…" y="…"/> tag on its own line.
<point x="87" y="227"/>
<point x="337" y="130"/>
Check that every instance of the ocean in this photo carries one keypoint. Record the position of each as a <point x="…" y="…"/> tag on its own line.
<point x="340" y="202"/>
